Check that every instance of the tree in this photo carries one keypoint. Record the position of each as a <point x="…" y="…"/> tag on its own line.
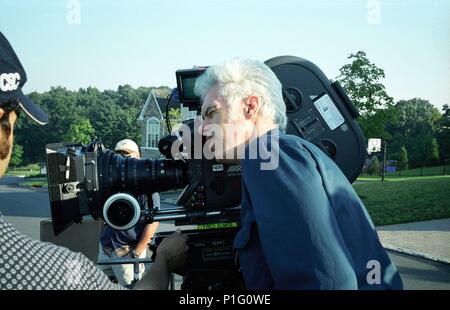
<point x="433" y="153"/>
<point x="80" y="130"/>
<point x="113" y="123"/>
<point x="374" y="166"/>
<point x="175" y="118"/>
<point x="414" y="126"/>
<point x="127" y="97"/>
<point x="375" y="125"/>
<point x="82" y="115"/>
<point x="402" y="163"/>
<point x="362" y="81"/>
<point x="443" y="133"/>
<point x="16" y="156"/>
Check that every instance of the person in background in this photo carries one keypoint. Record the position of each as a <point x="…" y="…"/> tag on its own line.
<point x="131" y="243"/>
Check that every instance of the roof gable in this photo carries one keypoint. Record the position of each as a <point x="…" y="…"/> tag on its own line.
<point x="155" y="105"/>
<point x="151" y="107"/>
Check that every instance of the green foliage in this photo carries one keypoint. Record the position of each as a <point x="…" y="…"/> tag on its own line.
<point x="33" y="166"/>
<point x="112" y="115"/>
<point x="175" y="118"/>
<point x="362" y="81"/>
<point x="82" y="115"/>
<point x="374" y="167"/>
<point x="80" y="130"/>
<point x="402" y="163"/>
<point x="374" y="126"/>
<point x="443" y="133"/>
<point x="414" y="126"/>
<point x="16" y="156"/>
<point x="433" y="153"/>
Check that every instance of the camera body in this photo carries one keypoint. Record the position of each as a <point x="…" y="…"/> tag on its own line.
<point x="92" y="180"/>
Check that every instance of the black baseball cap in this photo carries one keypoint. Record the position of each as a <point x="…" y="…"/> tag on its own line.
<point x="12" y="79"/>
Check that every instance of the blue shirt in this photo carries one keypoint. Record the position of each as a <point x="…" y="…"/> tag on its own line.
<point x="304" y="226"/>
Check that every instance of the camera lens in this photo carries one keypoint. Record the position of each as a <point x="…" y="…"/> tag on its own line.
<point x="138" y="176"/>
<point x="121" y="211"/>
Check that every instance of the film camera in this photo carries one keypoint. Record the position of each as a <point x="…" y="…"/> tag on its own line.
<point x="92" y="180"/>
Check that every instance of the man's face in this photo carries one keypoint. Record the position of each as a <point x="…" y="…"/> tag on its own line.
<point x="128" y="154"/>
<point x="224" y="136"/>
<point x="6" y="142"/>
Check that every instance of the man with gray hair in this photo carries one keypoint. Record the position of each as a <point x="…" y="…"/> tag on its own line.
<point x="303" y="225"/>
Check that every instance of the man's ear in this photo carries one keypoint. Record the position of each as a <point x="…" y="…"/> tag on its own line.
<point x="252" y="104"/>
<point x="1" y="112"/>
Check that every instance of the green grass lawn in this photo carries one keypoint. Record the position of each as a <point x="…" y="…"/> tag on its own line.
<point x="31" y="170"/>
<point x="35" y="183"/>
<point x="27" y="170"/>
<point x="396" y="178"/>
<point x="417" y="172"/>
<point x="437" y="170"/>
<point x="26" y="173"/>
<point x="405" y="199"/>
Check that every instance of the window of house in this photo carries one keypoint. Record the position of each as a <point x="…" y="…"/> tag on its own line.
<point x="153" y="132"/>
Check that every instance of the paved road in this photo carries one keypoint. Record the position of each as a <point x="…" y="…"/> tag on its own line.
<point x="421" y="274"/>
<point x="26" y="207"/>
<point x="23" y="207"/>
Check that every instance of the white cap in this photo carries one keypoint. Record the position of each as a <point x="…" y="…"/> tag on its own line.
<point x="127" y="145"/>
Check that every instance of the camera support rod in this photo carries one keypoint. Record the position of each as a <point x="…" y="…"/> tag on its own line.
<point x="178" y="213"/>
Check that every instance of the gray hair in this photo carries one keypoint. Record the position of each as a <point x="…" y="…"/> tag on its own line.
<point x="238" y="78"/>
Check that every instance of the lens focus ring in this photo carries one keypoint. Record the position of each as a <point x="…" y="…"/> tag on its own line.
<point x="121" y="211"/>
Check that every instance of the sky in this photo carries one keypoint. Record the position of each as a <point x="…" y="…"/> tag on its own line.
<point x="106" y="43"/>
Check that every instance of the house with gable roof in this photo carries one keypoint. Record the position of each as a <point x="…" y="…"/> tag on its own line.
<point x="153" y="120"/>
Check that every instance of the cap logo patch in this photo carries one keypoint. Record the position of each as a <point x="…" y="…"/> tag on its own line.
<point x="9" y="81"/>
